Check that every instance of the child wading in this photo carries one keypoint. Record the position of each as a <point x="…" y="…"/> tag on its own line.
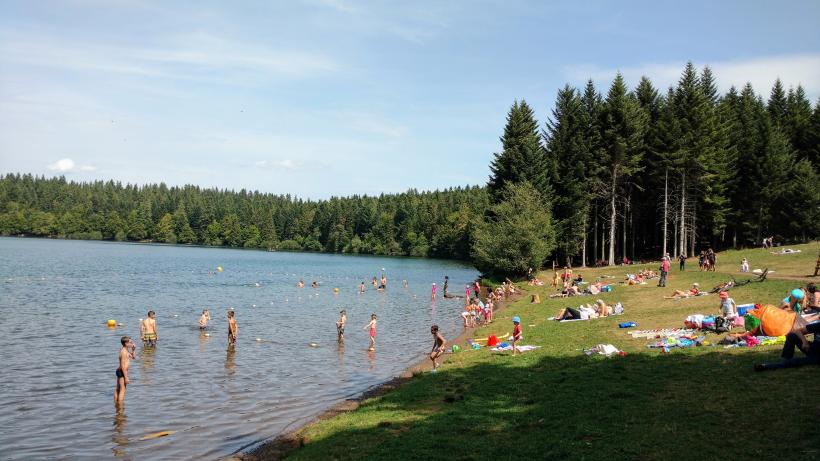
<point x="126" y="354"/>
<point x="233" y="329"/>
<point x="372" y="326"/>
<point x="340" y="326"/>
<point x="438" y="345"/>
<point x="148" y="330"/>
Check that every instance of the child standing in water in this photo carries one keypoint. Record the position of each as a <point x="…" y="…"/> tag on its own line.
<point x="126" y="354"/>
<point x="148" y="330"/>
<point x="438" y="345"/>
<point x="233" y="329"/>
<point x="372" y="326"/>
<point x="516" y="333"/>
<point x="361" y="287"/>
<point x="204" y="319"/>
<point x="433" y="292"/>
<point x="340" y="326"/>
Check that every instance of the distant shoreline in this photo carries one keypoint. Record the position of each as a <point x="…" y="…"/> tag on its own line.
<point x="222" y="247"/>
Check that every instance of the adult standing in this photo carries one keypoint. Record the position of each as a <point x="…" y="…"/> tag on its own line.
<point x="682" y="260"/>
<point x="664" y="271"/>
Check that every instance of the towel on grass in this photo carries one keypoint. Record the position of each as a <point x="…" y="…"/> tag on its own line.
<point x="509" y="347"/>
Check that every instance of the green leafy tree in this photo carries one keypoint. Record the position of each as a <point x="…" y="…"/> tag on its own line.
<point x="519" y="234"/>
<point x="165" y="229"/>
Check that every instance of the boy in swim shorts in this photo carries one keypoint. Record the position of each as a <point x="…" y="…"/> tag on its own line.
<point x="340" y="326"/>
<point x="438" y="345"/>
<point x="372" y="326"/>
<point x="516" y="333"/>
<point x="203" y="319"/>
<point x="126" y="354"/>
<point x="148" y="330"/>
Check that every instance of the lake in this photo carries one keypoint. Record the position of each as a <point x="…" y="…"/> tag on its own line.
<point x="59" y="357"/>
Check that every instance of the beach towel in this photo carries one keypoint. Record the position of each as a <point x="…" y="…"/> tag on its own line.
<point x="602" y="349"/>
<point x="508" y="347"/>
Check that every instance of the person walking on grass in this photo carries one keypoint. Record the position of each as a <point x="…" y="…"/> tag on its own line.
<point x="664" y="271"/>
<point x="682" y="261"/>
<point x="516" y="334"/>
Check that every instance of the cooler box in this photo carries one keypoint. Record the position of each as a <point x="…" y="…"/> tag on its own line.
<point x="742" y="309"/>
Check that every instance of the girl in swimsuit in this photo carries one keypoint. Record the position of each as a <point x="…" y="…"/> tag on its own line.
<point x="372" y="326"/>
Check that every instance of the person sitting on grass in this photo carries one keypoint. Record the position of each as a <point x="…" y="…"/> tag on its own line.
<point x="602" y="308"/>
<point x="728" y="307"/>
<point x="797" y="340"/>
<point x="794" y="300"/>
<point x="813" y="298"/>
<point x="678" y="294"/>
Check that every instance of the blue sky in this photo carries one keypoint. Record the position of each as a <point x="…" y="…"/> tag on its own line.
<point x="334" y="97"/>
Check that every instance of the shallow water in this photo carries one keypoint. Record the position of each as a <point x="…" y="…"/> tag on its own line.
<point x="59" y="358"/>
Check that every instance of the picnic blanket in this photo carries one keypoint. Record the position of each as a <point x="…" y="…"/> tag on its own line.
<point x="662" y="332"/>
<point x="508" y="347"/>
<point x="602" y="349"/>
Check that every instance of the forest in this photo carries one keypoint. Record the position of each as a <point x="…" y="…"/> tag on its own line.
<point x="625" y="173"/>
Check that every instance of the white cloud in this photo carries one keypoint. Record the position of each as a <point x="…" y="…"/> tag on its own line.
<point x="761" y="72"/>
<point x="62" y="165"/>
<point x="66" y="165"/>
<point x="198" y="57"/>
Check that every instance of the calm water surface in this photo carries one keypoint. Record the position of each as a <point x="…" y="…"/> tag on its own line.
<point x="59" y="358"/>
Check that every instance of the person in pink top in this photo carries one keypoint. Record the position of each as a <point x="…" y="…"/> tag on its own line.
<point x="664" y="271"/>
<point x="433" y="292"/>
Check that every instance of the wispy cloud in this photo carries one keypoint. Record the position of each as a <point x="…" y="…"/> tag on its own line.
<point x="66" y="165"/>
<point x="761" y="72"/>
<point x="196" y="56"/>
<point x="284" y="164"/>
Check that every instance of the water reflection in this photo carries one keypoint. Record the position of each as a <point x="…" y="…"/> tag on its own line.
<point x="118" y="432"/>
<point x="371" y="360"/>
<point x="203" y="340"/>
<point x="229" y="361"/>
<point x="147" y="356"/>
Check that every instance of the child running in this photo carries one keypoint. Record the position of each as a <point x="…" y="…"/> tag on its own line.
<point x="204" y="319"/>
<point x="126" y="354"/>
<point x="340" y="326"/>
<point x="148" y="330"/>
<point x="233" y="329"/>
<point x="372" y="326"/>
<point x="438" y="346"/>
<point x="516" y="333"/>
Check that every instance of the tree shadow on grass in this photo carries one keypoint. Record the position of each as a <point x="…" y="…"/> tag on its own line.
<point x="703" y="404"/>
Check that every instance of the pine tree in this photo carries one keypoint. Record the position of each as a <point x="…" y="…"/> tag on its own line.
<point x="568" y="150"/>
<point x="522" y="157"/>
<point x="797" y="123"/>
<point x="777" y="104"/>
<point x="622" y="126"/>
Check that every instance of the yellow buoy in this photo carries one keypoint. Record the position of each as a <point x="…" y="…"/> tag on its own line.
<point x="219" y="268"/>
<point x="112" y="323"/>
<point x="335" y="290"/>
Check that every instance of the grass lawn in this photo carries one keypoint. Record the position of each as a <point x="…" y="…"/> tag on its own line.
<point x="557" y="403"/>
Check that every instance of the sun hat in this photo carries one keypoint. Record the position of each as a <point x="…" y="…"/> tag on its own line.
<point x="797" y="293"/>
<point x="696" y="284"/>
<point x="516" y="319"/>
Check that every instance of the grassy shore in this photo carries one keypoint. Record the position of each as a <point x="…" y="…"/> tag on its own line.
<point x="557" y="403"/>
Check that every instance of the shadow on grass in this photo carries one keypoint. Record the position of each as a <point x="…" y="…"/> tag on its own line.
<point x="701" y="405"/>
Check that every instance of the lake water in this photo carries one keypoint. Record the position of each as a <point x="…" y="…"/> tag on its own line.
<point x="59" y="358"/>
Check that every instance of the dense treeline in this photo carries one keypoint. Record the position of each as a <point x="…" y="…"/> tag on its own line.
<point x="641" y="173"/>
<point x="415" y="224"/>
<point x="629" y="173"/>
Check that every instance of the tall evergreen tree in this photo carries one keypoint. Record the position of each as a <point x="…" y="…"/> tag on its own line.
<point x="777" y="104"/>
<point x="522" y="157"/>
<point x="568" y="150"/>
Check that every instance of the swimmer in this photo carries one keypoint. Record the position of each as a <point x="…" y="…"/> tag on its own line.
<point x="372" y="326"/>
<point x="148" y="330"/>
<point x="126" y="354"/>
<point x="374" y="282"/>
<point x="204" y="319"/>
<point x="438" y="345"/>
<point x="361" y="287"/>
<point x="301" y="284"/>
<point x="340" y="326"/>
<point x="404" y="283"/>
<point x="313" y="284"/>
<point x="233" y="329"/>
<point x="384" y="281"/>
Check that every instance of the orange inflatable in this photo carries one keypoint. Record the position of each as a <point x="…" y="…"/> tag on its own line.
<point x="775" y="321"/>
